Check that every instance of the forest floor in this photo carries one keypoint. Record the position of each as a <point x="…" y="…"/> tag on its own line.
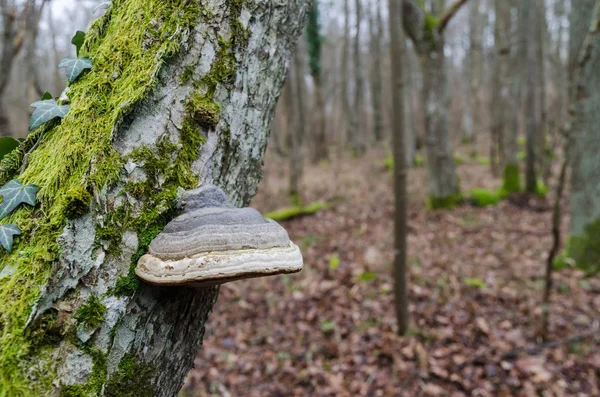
<point x="476" y="281"/>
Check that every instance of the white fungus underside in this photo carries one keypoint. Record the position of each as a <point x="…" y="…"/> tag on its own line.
<point x="207" y="268"/>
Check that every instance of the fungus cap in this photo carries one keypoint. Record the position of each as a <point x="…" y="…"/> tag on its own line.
<point x="213" y="242"/>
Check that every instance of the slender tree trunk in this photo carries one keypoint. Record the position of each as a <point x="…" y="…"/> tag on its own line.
<point x="314" y="43"/>
<point x="531" y="109"/>
<point x="357" y="138"/>
<point x="376" y="33"/>
<point x="585" y="206"/>
<point x="476" y="67"/>
<point x="297" y="134"/>
<point x="348" y="113"/>
<point x="410" y="133"/>
<point x="192" y="105"/>
<point x="400" y="190"/>
<point x="505" y="111"/>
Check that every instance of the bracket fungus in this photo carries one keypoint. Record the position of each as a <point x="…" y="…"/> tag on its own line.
<point x="213" y="242"/>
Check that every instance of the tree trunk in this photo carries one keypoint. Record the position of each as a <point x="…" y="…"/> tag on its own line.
<point x="348" y="125"/>
<point x="297" y="134"/>
<point x="532" y="103"/>
<point x="585" y="206"/>
<point x="376" y="33"/>
<point x="426" y="32"/>
<point x="181" y="93"/>
<point x="400" y="169"/>
<point x="314" y="42"/>
<point x="356" y="138"/>
<point x="476" y="73"/>
<point x="505" y="108"/>
<point x="443" y="183"/>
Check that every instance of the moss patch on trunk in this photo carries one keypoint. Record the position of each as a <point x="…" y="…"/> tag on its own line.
<point x="585" y="248"/>
<point x="128" y="46"/>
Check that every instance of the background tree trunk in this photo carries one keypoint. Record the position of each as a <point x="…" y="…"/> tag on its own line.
<point x="585" y="207"/>
<point x="297" y="134"/>
<point x="376" y="38"/>
<point x="357" y="143"/>
<point x="532" y="107"/>
<point x="314" y="43"/>
<point x="426" y="32"/>
<point x="181" y="93"/>
<point x="400" y="169"/>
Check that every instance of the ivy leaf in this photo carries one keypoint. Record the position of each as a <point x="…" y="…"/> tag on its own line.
<point x="104" y="6"/>
<point x="14" y="194"/>
<point x="78" y="40"/>
<point x="7" y="145"/>
<point x="46" y="110"/>
<point x="7" y="232"/>
<point x="75" y="66"/>
<point x="46" y="96"/>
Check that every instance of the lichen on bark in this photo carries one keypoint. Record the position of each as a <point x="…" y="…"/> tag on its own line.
<point x="130" y="142"/>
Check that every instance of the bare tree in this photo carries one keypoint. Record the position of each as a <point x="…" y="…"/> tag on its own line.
<point x="531" y="15"/>
<point x="376" y="54"/>
<point x="427" y="33"/>
<point x="585" y="206"/>
<point x="400" y="172"/>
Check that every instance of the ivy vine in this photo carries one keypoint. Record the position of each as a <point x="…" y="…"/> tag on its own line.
<point x="47" y="108"/>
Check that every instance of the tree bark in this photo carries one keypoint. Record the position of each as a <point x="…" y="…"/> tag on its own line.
<point x="314" y="42"/>
<point x="297" y="134"/>
<point x="400" y="169"/>
<point x="427" y="36"/>
<point x="476" y="65"/>
<point x="181" y="93"/>
<point x="376" y="37"/>
<point x="356" y="138"/>
<point x="532" y="101"/>
<point x="585" y="208"/>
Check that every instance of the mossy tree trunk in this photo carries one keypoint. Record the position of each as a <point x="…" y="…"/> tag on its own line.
<point x="181" y="93"/>
<point x="426" y="32"/>
<point x="505" y="104"/>
<point x="584" y="242"/>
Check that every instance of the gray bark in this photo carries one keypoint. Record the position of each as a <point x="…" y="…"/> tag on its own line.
<point x="585" y="184"/>
<point x="397" y="49"/>
<point x="476" y="65"/>
<point x="532" y="108"/>
<point x="429" y="44"/>
<point x="356" y="138"/>
<point x="376" y="36"/>
<point x="297" y="134"/>
<point x="161" y="329"/>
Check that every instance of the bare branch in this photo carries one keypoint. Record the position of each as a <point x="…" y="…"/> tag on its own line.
<point x="449" y="14"/>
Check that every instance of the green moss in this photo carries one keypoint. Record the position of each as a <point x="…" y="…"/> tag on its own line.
<point x="187" y="75"/>
<point x="76" y="202"/>
<point x="91" y="314"/>
<point x="585" y="248"/>
<point x="74" y="391"/>
<point x="204" y="110"/>
<point x="481" y="160"/>
<point x="484" y="197"/>
<point x="418" y="161"/>
<point x="76" y="153"/>
<point x="541" y="189"/>
<point x="512" y="179"/>
<point x="431" y="24"/>
<point x="297" y="211"/>
<point x="389" y="162"/>
<point x="458" y="160"/>
<point x="449" y="202"/>
<point x="132" y="379"/>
